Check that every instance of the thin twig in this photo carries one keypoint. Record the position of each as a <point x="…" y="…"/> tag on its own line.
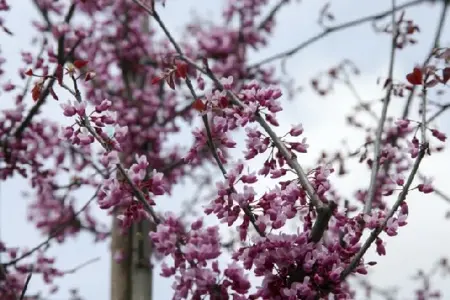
<point x="380" y="129"/>
<point x="442" y="109"/>
<point x="441" y="194"/>
<point x="91" y="261"/>
<point x="436" y="42"/>
<point x="91" y="163"/>
<point x="423" y="125"/>
<point x="352" y="88"/>
<point x="271" y="14"/>
<point x="330" y="30"/>
<point x="25" y="287"/>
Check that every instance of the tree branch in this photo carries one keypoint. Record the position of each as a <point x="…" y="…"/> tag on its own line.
<point x="374" y="234"/>
<point x="333" y="29"/>
<point x="380" y="129"/>
<point x="54" y="234"/>
<point x="324" y="212"/>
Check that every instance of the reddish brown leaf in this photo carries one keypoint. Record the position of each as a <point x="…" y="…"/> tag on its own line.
<point x="156" y="79"/>
<point x="199" y="105"/>
<point x="29" y="72"/>
<point x="36" y="92"/>
<point x="445" y="75"/>
<point x="415" y="77"/>
<point x="181" y="70"/>
<point x="52" y="92"/>
<point x="80" y="63"/>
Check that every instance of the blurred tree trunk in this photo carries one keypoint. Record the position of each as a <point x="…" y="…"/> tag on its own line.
<point x="131" y="278"/>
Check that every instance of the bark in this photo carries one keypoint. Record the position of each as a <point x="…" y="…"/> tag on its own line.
<point x="132" y="277"/>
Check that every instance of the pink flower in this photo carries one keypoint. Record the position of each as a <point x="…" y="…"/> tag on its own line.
<point x="69" y="109"/>
<point x="296" y="130"/>
<point x="227" y="82"/>
<point x="439" y="135"/>
<point x="110" y="158"/>
<point x="103" y="106"/>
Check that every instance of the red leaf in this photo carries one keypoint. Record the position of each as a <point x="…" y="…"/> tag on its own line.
<point x="29" y="72"/>
<point x="80" y="63"/>
<point x="199" y="105"/>
<point x="156" y="79"/>
<point x="36" y="92"/>
<point x="181" y="70"/>
<point x="52" y="92"/>
<point x="445" y="75"/>
<point x="415" y="77"/>
<point x="59" y="74"/>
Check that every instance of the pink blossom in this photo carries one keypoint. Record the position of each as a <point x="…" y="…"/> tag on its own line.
<point x="69" y="109"/>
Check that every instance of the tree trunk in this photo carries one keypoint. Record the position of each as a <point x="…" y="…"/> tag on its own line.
<point x="131" y="278"/>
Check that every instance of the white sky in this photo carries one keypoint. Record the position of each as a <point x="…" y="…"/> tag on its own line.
<point x="418" y="245"/>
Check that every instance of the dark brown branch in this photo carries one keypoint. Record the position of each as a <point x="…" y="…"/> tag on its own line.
<point x="25" y="287"/>
<point x="271" y="14"/>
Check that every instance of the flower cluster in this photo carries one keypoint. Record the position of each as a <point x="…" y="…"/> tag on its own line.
<point x="196" y="266"/>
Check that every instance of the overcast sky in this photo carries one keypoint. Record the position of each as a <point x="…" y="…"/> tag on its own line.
<point x="418" y="245"/>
